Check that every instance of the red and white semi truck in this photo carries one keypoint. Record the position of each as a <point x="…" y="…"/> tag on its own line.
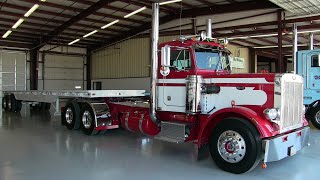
<point x="241" y="119"/>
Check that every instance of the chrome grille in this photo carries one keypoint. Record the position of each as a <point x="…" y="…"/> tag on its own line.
<point x="291" y="102"/>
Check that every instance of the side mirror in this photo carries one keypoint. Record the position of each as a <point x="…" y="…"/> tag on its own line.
<point x="165" y="56"/>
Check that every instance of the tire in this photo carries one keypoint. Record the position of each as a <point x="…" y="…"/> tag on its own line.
<point x="315" y="116"/>
<point x="47" y="106"/>
<point x="244" y="136"/>
<point x="19" y="106"/>
<point x="88" y="123"/>
<point x="13" y="103"/>
<point x="35" y="107"/>
<point x="72" y="115"/>
<point x="4" y="103"/>
<point x="8" y="103"/>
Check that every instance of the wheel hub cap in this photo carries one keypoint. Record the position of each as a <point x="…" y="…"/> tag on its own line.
<point x="231" y="146"/>
<point x="69" y="116"/>
<point x="318" y="117"/>
<point x="86" y="119"/>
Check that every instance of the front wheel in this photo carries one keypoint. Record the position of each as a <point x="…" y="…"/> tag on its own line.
<point x="315" y="116"/>
<point x="235" y="145"/>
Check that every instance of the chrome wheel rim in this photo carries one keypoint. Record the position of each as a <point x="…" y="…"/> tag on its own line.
<point x="69" y="116"/>
<point x="231" y="146"/>
<point x="4" y="104"/>
<point x="318" y="117"/>
<point x="9" y="104"/>
<point x="86" y="119"/>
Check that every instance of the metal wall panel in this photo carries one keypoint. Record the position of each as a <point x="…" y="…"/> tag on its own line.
<point x="62" y="72"/>
<point x="13" y="70"/>
<point x="130" y="59"/>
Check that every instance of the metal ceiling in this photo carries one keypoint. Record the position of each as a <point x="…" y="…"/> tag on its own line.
<point x="299" y="7"/>
<point x="60" y="22"/>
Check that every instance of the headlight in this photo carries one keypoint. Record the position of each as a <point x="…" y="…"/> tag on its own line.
<point x="272" y="114"/>
<point x="304" y="109"/>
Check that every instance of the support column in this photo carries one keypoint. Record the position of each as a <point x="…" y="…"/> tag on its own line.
<point x="252" y="60"/>
<point x="280" y="58"/>
<point x="88" y="64"/>
<point x="194" y="26"/>
<point x="33" y="69"/>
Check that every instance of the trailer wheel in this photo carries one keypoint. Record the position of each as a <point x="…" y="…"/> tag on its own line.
<point x="72" y="115"/>
<point x="4" y="103"/>
<point x="47" y="106"/>
<point x="235" y="146"/>
<point x="87" y="120"/>
<point x="13" y="103"/>
<point x="8" y="103"/>
<point x="18" y="106"/>
<point x="315" y="116"/>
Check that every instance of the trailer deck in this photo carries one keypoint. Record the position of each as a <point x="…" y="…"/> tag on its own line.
<point x="54" y="96"/>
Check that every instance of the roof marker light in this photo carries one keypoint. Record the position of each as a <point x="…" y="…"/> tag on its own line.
<point x="31" y="10"/>
<point x="89" y="34"/>
<point x="74" y="42"/>
<point x="110" y="24"/>
<point x="169" y="2"/>
<point x="135" y="12"/>
<point x="7" y="34"/>
<point x="17" y="24"/>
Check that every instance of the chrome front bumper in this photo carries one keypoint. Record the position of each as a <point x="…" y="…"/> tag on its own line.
<point x="286" y="145"/>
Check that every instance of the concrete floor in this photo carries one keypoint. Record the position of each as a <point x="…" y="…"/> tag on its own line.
<point x="34" y="146"/>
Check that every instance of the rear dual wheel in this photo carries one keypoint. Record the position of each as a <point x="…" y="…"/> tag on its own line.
<point x="75" y="118"/>
<point x="88" y="122"/>
<point x="71" y="115"/>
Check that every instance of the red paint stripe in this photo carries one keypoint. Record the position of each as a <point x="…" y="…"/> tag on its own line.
<point x="171" y="84"/>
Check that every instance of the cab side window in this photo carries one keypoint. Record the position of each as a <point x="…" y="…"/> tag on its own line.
<point x="180" y="59"/>
<point x="315" y="61"/>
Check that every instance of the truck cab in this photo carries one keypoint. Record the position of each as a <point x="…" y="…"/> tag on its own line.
<point x="308" y="66"/>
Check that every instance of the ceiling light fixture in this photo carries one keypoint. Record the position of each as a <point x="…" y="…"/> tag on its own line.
<point x="89" y="34"/>
<point x="135" y="12"/>
<point x="43" y="0"/>
<point x="74" y="42"/>
<point x="17" y="24"/>
<point x="7" y="34"/>
<point x="31" y="10"/>
<point x="169" y="2"/>
<point x="110" y="24"/>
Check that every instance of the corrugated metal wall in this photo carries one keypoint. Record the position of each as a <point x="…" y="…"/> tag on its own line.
<point x="127" y="59"/>
<point x="131" y="59"/>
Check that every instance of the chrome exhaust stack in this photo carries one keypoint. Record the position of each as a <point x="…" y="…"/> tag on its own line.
<point x="294" y="47"/>
<point x="154" y="62"/>
<point x="209" y="29"/>
<point x="311" y="41"/>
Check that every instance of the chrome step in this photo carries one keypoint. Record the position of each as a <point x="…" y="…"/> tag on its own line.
<point x="173" y="132"/>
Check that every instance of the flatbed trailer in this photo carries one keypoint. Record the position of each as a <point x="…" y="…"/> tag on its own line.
<point x="54" y="97"/>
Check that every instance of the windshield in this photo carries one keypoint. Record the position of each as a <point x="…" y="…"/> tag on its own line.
<point x="208" y="59"/>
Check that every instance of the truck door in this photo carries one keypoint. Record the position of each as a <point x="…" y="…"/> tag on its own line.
<point x="312" y="70"/>
<point x="172" y="89"/>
